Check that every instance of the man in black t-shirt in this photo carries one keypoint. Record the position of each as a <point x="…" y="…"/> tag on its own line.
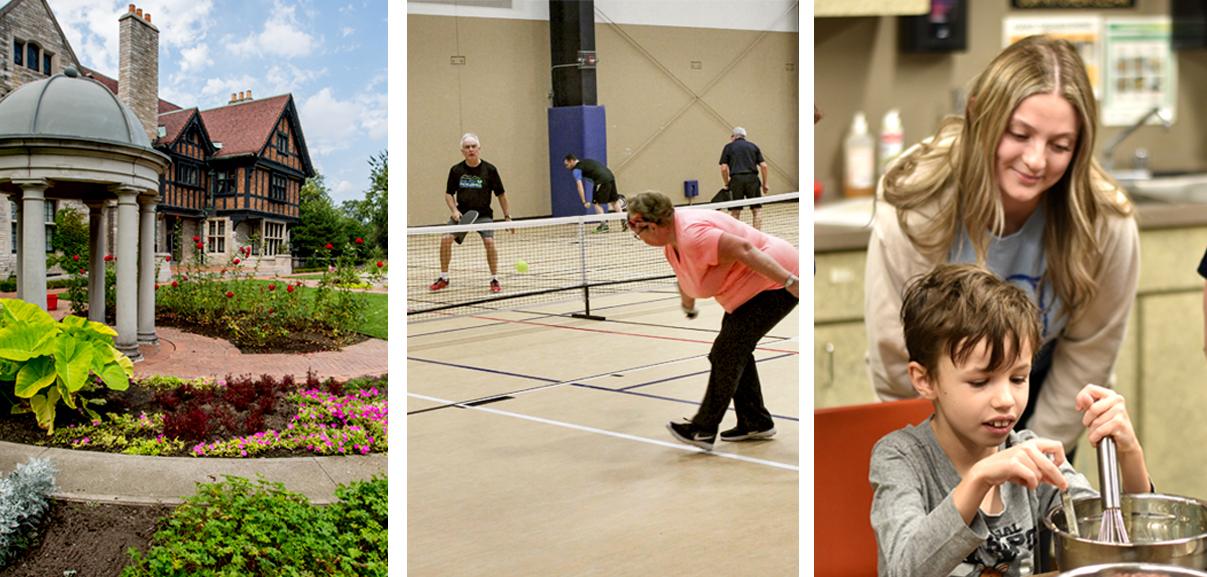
<point x="741" y="162"/>
<point x="470" y="185"/>
<point x="605" y="185"/>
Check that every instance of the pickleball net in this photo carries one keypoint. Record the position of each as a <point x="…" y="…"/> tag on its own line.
<point x="568" y="261"/>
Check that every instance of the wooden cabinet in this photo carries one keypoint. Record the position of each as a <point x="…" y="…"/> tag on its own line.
<point x="839" y="336"/>
<point x="840" y="376"/>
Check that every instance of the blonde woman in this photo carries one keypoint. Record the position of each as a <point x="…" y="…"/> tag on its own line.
<point x="1012" y="185"/>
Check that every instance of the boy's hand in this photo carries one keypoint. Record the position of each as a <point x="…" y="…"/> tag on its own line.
<point x="1027" y="464"/>
<point x="1106" y="416"/>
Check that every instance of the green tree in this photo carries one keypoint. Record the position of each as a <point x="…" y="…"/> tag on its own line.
<point x="321" y="222"/>
<point x="70" y="235"/>
<point x="374" y="210"/>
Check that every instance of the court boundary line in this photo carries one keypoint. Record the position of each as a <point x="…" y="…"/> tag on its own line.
<point x="628" y="334"/>
<point x="580" y="382"/>
<point x="679" y="446"/>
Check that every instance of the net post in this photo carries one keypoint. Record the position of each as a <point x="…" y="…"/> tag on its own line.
<point x="582" y="260"/>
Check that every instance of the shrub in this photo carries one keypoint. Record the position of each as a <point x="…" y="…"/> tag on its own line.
<point x="23" y="499"/>
<point x="235" y="528"/>
<point x="48" y="361"/>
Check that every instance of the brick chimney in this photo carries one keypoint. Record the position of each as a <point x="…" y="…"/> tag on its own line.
<point x="138" y="63"/>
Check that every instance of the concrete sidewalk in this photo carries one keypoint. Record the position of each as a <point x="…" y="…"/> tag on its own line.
<point x="112" y="478"/>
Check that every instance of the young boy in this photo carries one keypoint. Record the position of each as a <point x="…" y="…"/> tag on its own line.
<point x="963" y="494"/>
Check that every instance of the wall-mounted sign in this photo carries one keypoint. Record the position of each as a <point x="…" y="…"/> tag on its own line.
<point x="1073" y="4"/>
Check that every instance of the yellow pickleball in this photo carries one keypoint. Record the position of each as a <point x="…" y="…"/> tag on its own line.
<point x="521" y="266"/>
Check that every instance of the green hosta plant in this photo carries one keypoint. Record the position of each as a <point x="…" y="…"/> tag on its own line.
<point x="49" y="361"/>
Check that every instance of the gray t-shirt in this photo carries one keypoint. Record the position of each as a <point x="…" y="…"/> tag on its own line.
<point x="1019" y="259"/>
<point x="919" y="531"/>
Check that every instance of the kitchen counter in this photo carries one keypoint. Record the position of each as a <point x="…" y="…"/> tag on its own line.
<point x="832" y="237"/>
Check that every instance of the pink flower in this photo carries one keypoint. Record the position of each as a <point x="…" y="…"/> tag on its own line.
<point x="75" y="257"/>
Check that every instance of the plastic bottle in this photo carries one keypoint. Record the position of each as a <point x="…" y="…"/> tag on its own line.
<point x="859" y="155"/>
<point x="892" y="139"/>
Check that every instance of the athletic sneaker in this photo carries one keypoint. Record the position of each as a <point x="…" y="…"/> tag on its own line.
<point x="603" y="227"/>
<point x="494" y="286"/>
<point x="439" y="284"/>
<point x="737" y="434"/>
<point x="684" y="434"/>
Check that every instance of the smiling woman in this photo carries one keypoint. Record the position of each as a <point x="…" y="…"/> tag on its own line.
<point x="1012" y="185"/>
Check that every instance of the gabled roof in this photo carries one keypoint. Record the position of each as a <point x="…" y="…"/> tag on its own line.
<point x="246" y="127"/>
<point x="71" y="53"/>
<point x="164" y="105"/>
<point x="174" y="124"/>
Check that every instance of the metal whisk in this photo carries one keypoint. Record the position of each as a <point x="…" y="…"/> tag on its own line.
<point x="1112" y="530"/>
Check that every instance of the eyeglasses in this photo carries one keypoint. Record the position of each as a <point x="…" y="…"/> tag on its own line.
<point x="634" y="223"/>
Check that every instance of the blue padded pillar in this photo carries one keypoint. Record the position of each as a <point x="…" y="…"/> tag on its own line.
<point x="583" y="132"/>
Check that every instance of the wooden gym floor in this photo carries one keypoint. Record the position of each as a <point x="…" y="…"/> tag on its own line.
<point x="564" y="465"/>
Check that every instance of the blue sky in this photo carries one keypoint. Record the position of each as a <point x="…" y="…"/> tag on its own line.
<point x="330" y="54"/>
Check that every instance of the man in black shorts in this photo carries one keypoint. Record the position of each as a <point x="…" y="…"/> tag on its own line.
<point x="605" y="185"/>
<point x="470" y="184"/>
<point x="741" y="162"/>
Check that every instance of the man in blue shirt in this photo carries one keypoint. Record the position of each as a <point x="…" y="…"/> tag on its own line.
<point x="605" y="186"/>
<point x="741" y="162"/>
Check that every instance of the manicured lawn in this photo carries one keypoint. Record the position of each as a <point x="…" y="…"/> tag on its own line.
<point x="376" y="311"/>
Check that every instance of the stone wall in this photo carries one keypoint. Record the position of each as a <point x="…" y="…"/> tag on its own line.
<point x="29" y="22"/>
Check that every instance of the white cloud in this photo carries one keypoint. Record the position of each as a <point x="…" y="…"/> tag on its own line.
<point x="282" y="78"/>
<point x="343" y="189"/>
<point x="345" y="31"/>
<point x="282" y="36"/>
<point x="195" y="58"/>
<point x="333" y="125"/>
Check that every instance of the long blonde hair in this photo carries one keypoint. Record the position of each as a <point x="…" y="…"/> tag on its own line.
<point x="962" y="155"/>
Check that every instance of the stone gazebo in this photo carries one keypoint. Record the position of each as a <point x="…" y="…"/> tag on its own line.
<point x="70" y="138"/>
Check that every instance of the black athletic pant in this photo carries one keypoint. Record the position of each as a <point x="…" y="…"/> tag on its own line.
<point x="734" y="376"/>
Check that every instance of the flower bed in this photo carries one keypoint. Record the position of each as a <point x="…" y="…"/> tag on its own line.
<point x="233" y="417"/>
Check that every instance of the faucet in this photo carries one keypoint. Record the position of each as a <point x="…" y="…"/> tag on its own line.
<point x="1161" y="115"/>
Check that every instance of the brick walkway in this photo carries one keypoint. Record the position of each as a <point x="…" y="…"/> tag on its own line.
<point x="187" y="355"/>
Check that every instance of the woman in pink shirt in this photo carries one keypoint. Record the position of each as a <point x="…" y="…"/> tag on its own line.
<point x="752" y="275"/>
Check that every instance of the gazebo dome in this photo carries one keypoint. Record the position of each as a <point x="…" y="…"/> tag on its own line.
<point x="67" y="106"/>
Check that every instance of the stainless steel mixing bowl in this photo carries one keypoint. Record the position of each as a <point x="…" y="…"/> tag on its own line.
<point x="1163" y="529"/>
<point x="1132" y="570"/>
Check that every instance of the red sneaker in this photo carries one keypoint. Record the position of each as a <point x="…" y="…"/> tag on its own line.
<point x="439" y="284"/>
<point x="494" y="286"/>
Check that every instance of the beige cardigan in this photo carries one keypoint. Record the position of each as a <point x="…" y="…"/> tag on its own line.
<point x="1086" y="349"/>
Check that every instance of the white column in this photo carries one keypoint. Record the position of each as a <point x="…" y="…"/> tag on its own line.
<point x="96" y="262"/>
<point x="33" y="240"/>
<point x="146" y="271"/>
<point x="127" y="255"/>
<point x="20" y="222"/>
